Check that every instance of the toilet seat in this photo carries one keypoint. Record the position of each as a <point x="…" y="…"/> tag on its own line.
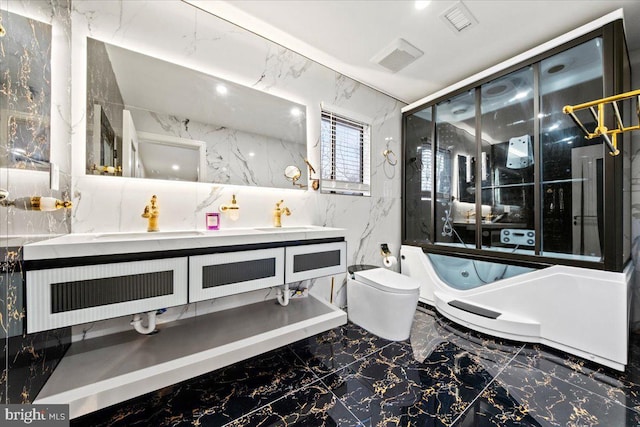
<point x="388" y="281"/>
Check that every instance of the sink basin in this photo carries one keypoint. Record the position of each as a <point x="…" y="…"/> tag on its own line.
<point x="284" y="228"/>
<point x="148" y="235"/>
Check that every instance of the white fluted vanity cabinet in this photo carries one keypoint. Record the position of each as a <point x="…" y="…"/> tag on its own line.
<point x="58" y="297"/>
<point x="310" y="261"/>
<point x="223" y="274"/>
<point x="81" y="278"/>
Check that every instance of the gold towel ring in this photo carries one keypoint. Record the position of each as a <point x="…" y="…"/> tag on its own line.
<point x="390" y="156"/>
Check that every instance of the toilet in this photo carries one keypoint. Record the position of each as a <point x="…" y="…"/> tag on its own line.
<point x="382" y="301"/>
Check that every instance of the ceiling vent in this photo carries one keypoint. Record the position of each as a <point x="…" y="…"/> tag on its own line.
<point x="458" y="17"/>
<point x="397" y="55"/>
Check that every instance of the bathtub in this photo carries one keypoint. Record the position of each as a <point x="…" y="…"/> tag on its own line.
<point x="581" y="311"/>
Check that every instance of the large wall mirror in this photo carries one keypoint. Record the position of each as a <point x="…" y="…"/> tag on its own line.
<point x="149" y="118"/>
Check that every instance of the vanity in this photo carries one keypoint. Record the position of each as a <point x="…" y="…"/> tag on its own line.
<point x="80" y="278"/>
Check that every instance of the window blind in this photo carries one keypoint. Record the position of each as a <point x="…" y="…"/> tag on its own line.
<point x="345" y="154"/>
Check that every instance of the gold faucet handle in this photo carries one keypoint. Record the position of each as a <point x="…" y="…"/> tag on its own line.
<point x="279" y="203"/>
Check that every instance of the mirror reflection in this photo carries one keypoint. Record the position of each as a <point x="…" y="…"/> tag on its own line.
<point x="149" y="118"/>
<point x="25" y="98"/>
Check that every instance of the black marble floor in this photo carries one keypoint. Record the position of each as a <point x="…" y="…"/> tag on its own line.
<point x="444" y="375"/>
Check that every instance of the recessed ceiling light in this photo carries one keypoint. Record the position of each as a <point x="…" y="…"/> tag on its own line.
<point x="295" y="112"/>
<point x="175" y="167"/>
<point x="222" y="89"/>
<point x="421" y="4"/>
<point x="495" y="89"/>
<point x="556" y="69"/>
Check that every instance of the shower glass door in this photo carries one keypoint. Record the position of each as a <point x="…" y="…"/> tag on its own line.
<point x="418" y="176"/>
<point x="572" y="196"/>
<point x="456" y="155"/>
<point x="507" y="162"/>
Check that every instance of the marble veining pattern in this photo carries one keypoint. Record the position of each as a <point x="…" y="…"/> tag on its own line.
<point x="28" y="359"/>
<point x="444" y="375"/>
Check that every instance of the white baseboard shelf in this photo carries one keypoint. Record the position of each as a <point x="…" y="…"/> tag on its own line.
<point x="104" y="371"/>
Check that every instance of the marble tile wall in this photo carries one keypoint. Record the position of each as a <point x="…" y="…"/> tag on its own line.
<point x="35" y="79"/>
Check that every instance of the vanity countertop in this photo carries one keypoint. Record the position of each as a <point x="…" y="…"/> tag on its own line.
<point x="95" y="244"/>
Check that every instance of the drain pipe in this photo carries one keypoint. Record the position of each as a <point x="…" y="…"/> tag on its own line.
<point x="151" y="323"/>
<point x="283" y="296"/>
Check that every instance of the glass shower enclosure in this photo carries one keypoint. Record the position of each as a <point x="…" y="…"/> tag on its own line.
<point x="496" y="170"/>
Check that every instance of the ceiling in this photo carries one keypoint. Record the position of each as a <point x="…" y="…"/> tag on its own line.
<point x="346" y="34"/>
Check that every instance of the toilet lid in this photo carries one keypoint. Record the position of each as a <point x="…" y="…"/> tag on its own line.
<point x="388" y="281"/>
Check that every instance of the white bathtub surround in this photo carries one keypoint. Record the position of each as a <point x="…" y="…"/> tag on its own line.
<point x="580" y="311"/>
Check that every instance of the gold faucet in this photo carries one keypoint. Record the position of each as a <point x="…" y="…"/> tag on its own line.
<point x="151" y="212"/>
<point x="470" y="213"/>
<point x="277" y="213"/>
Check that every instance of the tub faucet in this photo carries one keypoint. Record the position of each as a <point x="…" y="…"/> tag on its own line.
<point x="151" y="212"/>
<point x="277" y="213"/>
<point x="471" y="213"/>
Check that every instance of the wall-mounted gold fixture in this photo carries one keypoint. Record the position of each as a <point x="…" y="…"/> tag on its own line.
<point x="601" y="129"/>
<point x="293" y="174"/>
<point x="34" y="203"/>
<point x="315" y="182"/>
<point x="277" y="213"/>
<point x="151" y="212"/>
<point x="233" y="209"/>
<point x="389" y="156"/>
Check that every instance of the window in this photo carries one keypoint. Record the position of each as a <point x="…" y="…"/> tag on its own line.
<point x="345" y="155"/>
